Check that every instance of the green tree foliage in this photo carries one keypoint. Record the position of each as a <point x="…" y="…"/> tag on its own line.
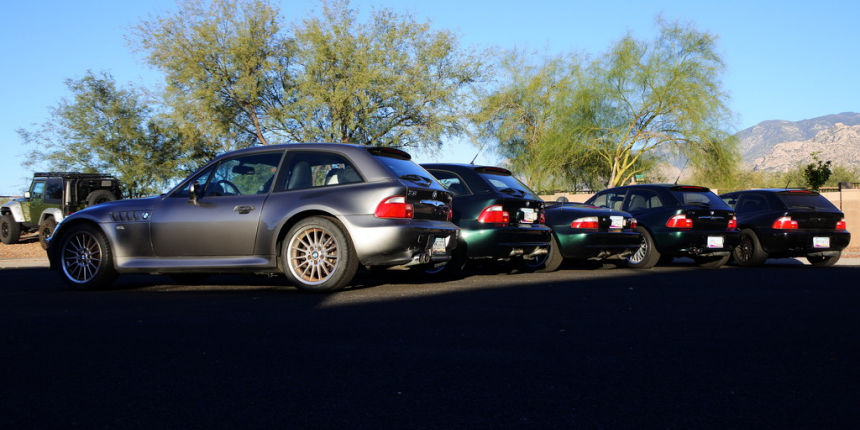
<point x="109" y="130"/>
<point x="635" y="101"/>
<point x="391" y="81"/>
<point x="226" y="66"/>
<point x="817" y="173"/>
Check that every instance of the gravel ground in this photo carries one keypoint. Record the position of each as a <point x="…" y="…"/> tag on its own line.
<point x="27" y="247"/>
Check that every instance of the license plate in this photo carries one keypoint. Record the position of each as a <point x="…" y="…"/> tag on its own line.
<point x="440" y="245"/>
<point x="616" y="222"/>
<point x="715" y="241"/>
<point x="821" y="242"/>
<point x="529" y="214"/>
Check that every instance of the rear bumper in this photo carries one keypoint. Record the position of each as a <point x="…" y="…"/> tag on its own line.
<point x="695" y="243"/>
<point x="598" y="244"/>
<point x="798" y="243"/>
<point x="505" y="242"/>
<point x="395" y="242"/>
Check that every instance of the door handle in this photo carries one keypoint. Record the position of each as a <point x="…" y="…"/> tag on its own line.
<point x="243" y="209"/>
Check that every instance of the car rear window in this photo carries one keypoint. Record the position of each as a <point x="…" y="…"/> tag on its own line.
<point x="405" y="168"/>
<point x="805" y="200"/>
<point x="698" y="196"/>
<point x="503" y="182"/>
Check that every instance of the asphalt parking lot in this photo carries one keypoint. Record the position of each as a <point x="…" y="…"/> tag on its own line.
<point x="673" y="347"/>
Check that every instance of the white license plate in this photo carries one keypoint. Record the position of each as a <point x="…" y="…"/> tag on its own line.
<point x="529" y="214"/>
<point x="616" y="222"/>
<point x="715" y="241"/>
<point x="821" y="242"/>
<point x="440" y="245"/>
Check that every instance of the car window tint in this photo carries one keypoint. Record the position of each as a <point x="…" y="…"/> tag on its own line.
<point x="508" y="184"/>
<point x="751" y="203"/>
<point x="317" y="169"/>
<point x="731" y="200"/>
<point x="641" y="199"/>
<point x="699" y="198"/>
<point x="54" y="191"/>
<point x="805" y="200"/>
<point x="453" y="182"/>
<point x="244" y="175"/>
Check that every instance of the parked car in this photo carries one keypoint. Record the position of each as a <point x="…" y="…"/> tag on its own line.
<point x="314" y="212"/>
<point x="780" y="223"/>
<point x="675" y="221"/>
<point x="500" y="218"/>
<point x="51" y="197"/>
<point x="586" y="232"/>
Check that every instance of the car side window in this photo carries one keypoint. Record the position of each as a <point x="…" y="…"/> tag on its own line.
<point x="453" y="182"/>
<point x="38" y="190"/>
<point x="54" y="191"/>
<point x="731" y="200"/>
<point x="317" y="169"/>
<point x="244" y="175"/>
<point x="642" y="199"/>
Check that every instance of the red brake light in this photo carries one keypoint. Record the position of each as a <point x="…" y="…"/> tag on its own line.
<point x="494" y="214"/>
<point x="632" y="223"/>
<point x="679" y="221"/>
<point x="785" y="223"/>
<point x="589" y="222"/>
<point x="394" y="207"/>
<point x="541" y="218"/>
<point x="733" y="223"/>
<point x="840" y="225"/>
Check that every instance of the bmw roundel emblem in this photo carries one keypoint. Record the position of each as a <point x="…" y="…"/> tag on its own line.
<point x="434" y="195"/>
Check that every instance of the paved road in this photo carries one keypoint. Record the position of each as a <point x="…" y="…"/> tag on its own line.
<point x="675" y="347"/>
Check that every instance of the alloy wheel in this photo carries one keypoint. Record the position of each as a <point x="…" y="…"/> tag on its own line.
<point x="313" y="255"/>
<point x="640" y="253"/>
<point x="81" y="257"/>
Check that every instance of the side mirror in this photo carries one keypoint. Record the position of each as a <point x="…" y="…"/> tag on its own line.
<point x="194" y="192"/>
<point x="26" y="194"/>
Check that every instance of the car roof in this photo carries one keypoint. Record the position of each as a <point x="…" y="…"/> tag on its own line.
<point x="666" y="186"/>
<point x="776" y="190"/>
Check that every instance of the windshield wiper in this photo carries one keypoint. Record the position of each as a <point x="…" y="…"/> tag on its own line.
<point x="416" y="178"/>
<point x="513" y="191"/>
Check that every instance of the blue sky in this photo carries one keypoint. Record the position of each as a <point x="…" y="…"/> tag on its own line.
<point x="787" y="60"/>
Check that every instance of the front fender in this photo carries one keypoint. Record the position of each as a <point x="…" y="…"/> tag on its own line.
<point x="16" y="209"/>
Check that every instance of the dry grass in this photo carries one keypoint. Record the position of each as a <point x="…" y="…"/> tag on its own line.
<point x="27" y="247"/>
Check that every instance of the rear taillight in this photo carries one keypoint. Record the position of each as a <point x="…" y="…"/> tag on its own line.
<point x="394" y="207"/>
<point x="840" y="225"/>
<point x="632" y="223"/>
<point x="541" y="218"/>
<point x="450" y="212"/>
<point x="589" y="222"/>
<point x="679" y="221"/>
<point x="785" y="223"/>
<point x="494" y="215"/>
<point x="733" y="223"/>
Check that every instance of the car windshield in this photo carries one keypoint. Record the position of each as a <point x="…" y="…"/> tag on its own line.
<point x="507" y="184"/>
<point x="695" y="196"/>
<point x="805" y="200"/>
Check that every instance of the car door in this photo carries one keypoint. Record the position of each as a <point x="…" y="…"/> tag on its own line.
<point x="37" y="201"/>
<point x="224" y="217"/>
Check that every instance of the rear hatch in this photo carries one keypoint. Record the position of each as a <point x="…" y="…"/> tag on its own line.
<point x="520" y="202"/>
<point x="429" y="199"/>
<point x="608" y="220"/>
<point x="811" y="210"/>
<point x="707" y="211"/>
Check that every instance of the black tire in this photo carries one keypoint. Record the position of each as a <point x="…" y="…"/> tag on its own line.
<point x="86" y="260"/>
<point x="100" y="196"/>
<point x="647" y="255"/>
<point x="549" y="262"/>
<point x="824" y="261"/>
<point x="749" y="251"/>
<point x="46" y="229"/>
<point x="318" y="256"/>
<point x="10" y="231"/>
<point x="712" y="262"/>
